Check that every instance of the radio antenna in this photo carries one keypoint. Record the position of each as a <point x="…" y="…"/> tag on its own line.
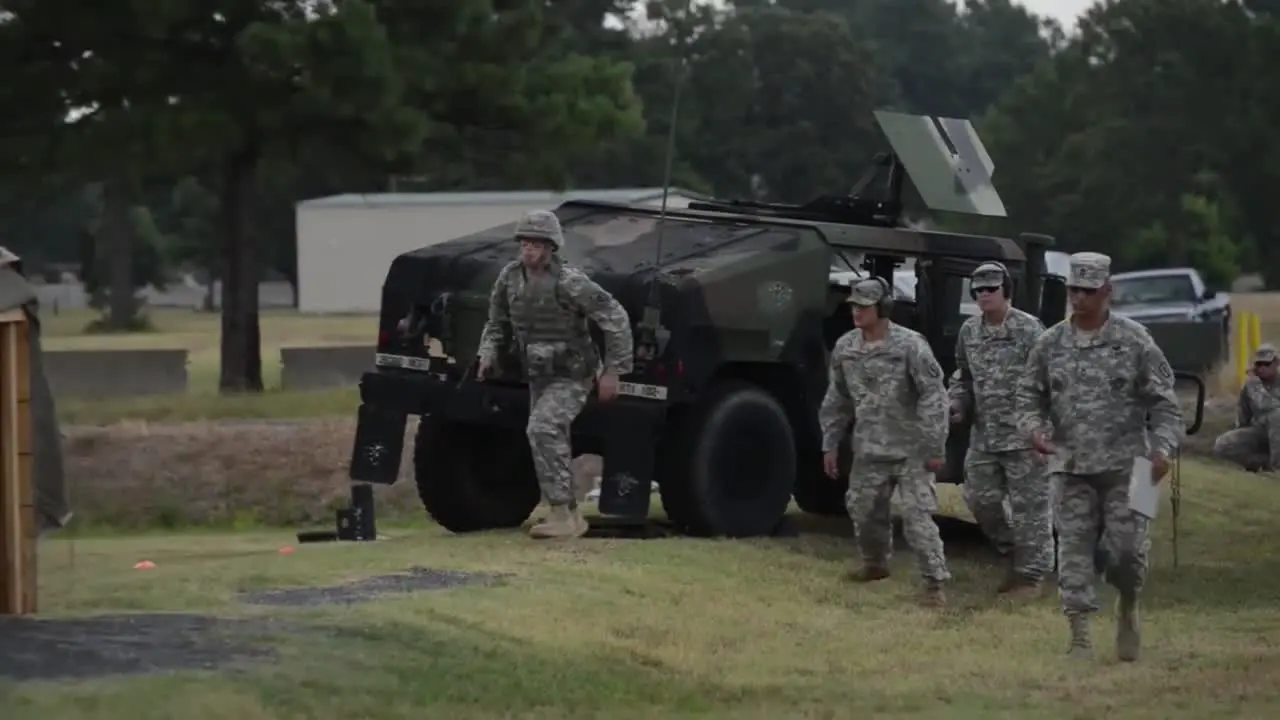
<point x="670" y="162"/>
<point x="651" y="332"/>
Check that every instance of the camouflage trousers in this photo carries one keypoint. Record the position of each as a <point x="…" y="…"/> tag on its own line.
<point x="553" y="405"/>
<point x="1011" y="499"/>
<point x="871" y="486"/>
<point x="1254" y="447"/>
<point x="1093" y="513"/>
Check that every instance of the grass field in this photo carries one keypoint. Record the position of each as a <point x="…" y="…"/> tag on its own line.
<point x="666" y="628"/>
<point x="200" y="334"/>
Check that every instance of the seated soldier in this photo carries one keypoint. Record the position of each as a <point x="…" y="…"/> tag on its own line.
<point x="1255" y="441"/>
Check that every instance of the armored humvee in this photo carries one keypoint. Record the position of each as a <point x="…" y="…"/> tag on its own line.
<point x="733" y="318"/>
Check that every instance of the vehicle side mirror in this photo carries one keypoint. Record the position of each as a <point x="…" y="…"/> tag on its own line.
<point x="1210" y="294"/>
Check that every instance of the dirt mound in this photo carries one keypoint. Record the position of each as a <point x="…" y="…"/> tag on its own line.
<point x="225" y="473"/>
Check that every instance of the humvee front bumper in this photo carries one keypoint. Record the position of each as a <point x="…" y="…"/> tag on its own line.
<point x="624" y="430"/>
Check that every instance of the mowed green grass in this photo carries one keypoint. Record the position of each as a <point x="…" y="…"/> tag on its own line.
<point x="200" y="334"/>
<point x="683" y="628"/>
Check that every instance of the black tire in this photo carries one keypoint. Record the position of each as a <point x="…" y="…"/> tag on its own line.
<point x="472" y="477"/>
<point x="728" y="468"/>
<point x="820" y="495"/>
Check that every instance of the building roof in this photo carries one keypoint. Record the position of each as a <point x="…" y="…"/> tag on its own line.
<point x="522" y="197"/>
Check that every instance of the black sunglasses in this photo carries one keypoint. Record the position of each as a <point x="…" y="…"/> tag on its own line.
<point x="1263" y="364"/>
<point x="1083" y="290"/>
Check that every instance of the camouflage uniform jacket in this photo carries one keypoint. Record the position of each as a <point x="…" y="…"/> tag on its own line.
<point x="989" y="361"/>
<point x="547" y="316"/>
<point x="1257" y="400"/>
<point x="892" y="391"/>
<point x="1091" y="394"/>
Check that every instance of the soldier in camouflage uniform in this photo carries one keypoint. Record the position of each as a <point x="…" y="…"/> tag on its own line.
<point x="1255" y="441"/>
<point x="1097" y="393"/>
<point x="546" y="305"/>
<point x="885" y="379"/>
<point x="991" y="352"/>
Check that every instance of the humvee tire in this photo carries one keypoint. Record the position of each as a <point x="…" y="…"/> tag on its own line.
<point x="474" y="477"/>
<point x="729" y="467"/>
<point x="824" y="496"/>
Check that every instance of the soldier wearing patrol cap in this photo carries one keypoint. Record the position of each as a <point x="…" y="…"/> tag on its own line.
<point x="1098" y="392"/>
<point x="885" y="380"/>
<point x="1001" y="464"/>
<point x="545" y="305"/>
<point x="1255" y="442"/>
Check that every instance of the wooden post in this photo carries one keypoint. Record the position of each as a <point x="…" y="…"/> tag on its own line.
<point x="17" y="496"/>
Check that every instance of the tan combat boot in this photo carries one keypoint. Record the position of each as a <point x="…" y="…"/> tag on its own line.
<point x="1081" y="645"/>
<point x="1017" y="586"/>
<point x="1128" y="638"/>
<point x="560" y="523"/>
<point x="869" y="573"/>
<point x="934" y="594"/>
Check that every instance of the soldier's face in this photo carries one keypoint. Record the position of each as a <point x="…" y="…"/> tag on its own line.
<point x="988" y="298"/>
<point x="1087" y="301"/>
<point x="534" y="253"/>
<point x="864" y="316"/>
<point x="1265" y="370"/>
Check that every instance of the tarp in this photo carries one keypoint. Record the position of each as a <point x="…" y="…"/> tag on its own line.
<point x="48" y="474"/>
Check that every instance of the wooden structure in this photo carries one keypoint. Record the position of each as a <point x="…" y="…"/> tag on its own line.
<point x="18" y="527"/>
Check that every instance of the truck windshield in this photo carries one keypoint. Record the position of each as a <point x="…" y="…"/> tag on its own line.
<point x="1152" y="289"/>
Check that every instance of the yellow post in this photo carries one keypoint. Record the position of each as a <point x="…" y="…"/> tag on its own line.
<point x="17" y="499"/>
<point x="1255" y="332"/>
<point x="1242" y="329"/>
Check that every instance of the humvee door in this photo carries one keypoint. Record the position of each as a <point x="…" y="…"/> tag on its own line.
<point x="942" y="296"/>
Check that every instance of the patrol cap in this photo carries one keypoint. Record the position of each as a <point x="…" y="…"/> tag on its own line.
<point x="1266" y="353"/>
<point x="540" y="225"/>
<point x="1089" y="270"/>
<point x="866" y="292"/>
<point x="987" y="275"/>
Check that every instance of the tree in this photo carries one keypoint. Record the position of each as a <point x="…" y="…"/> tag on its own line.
<point x="1129" y="133"/>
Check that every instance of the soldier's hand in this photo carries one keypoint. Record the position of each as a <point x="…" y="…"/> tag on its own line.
<point x="935" y="465"/>
<point x="831" y="464"/>
<point x="1159" y="467"/>
<point x="1043" y="444"/>
<point x="607" y="387"/>
<point x="957" y="414"/>
<point x="483" y="368"/>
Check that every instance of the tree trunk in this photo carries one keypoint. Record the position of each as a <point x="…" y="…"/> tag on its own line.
<point x="210" y="282"/>
<point x="241" y="340"/>
<point x="115" y="254"/>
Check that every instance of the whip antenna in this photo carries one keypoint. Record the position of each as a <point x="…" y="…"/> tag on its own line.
<point x="651" y="340"/>
<point x="667" y="170"/>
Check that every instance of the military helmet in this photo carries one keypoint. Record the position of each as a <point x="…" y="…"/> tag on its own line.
<point x="541" y="225"/>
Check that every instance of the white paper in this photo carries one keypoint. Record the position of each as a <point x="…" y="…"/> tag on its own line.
<point x="1144" y="495"/>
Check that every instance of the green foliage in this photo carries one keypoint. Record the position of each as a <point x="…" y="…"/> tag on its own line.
<point x="1148" y="134"/>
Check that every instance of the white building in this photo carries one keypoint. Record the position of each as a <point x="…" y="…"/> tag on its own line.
<point x="346" y="242"/>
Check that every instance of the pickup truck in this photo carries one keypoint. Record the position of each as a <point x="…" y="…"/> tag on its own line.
<point x="1169" y="295"/>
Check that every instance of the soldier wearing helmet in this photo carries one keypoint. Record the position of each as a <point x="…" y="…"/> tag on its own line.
<point x="545" y="305"/>
<point x="1001" y="464"/>
<point x="885" y="380"/>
